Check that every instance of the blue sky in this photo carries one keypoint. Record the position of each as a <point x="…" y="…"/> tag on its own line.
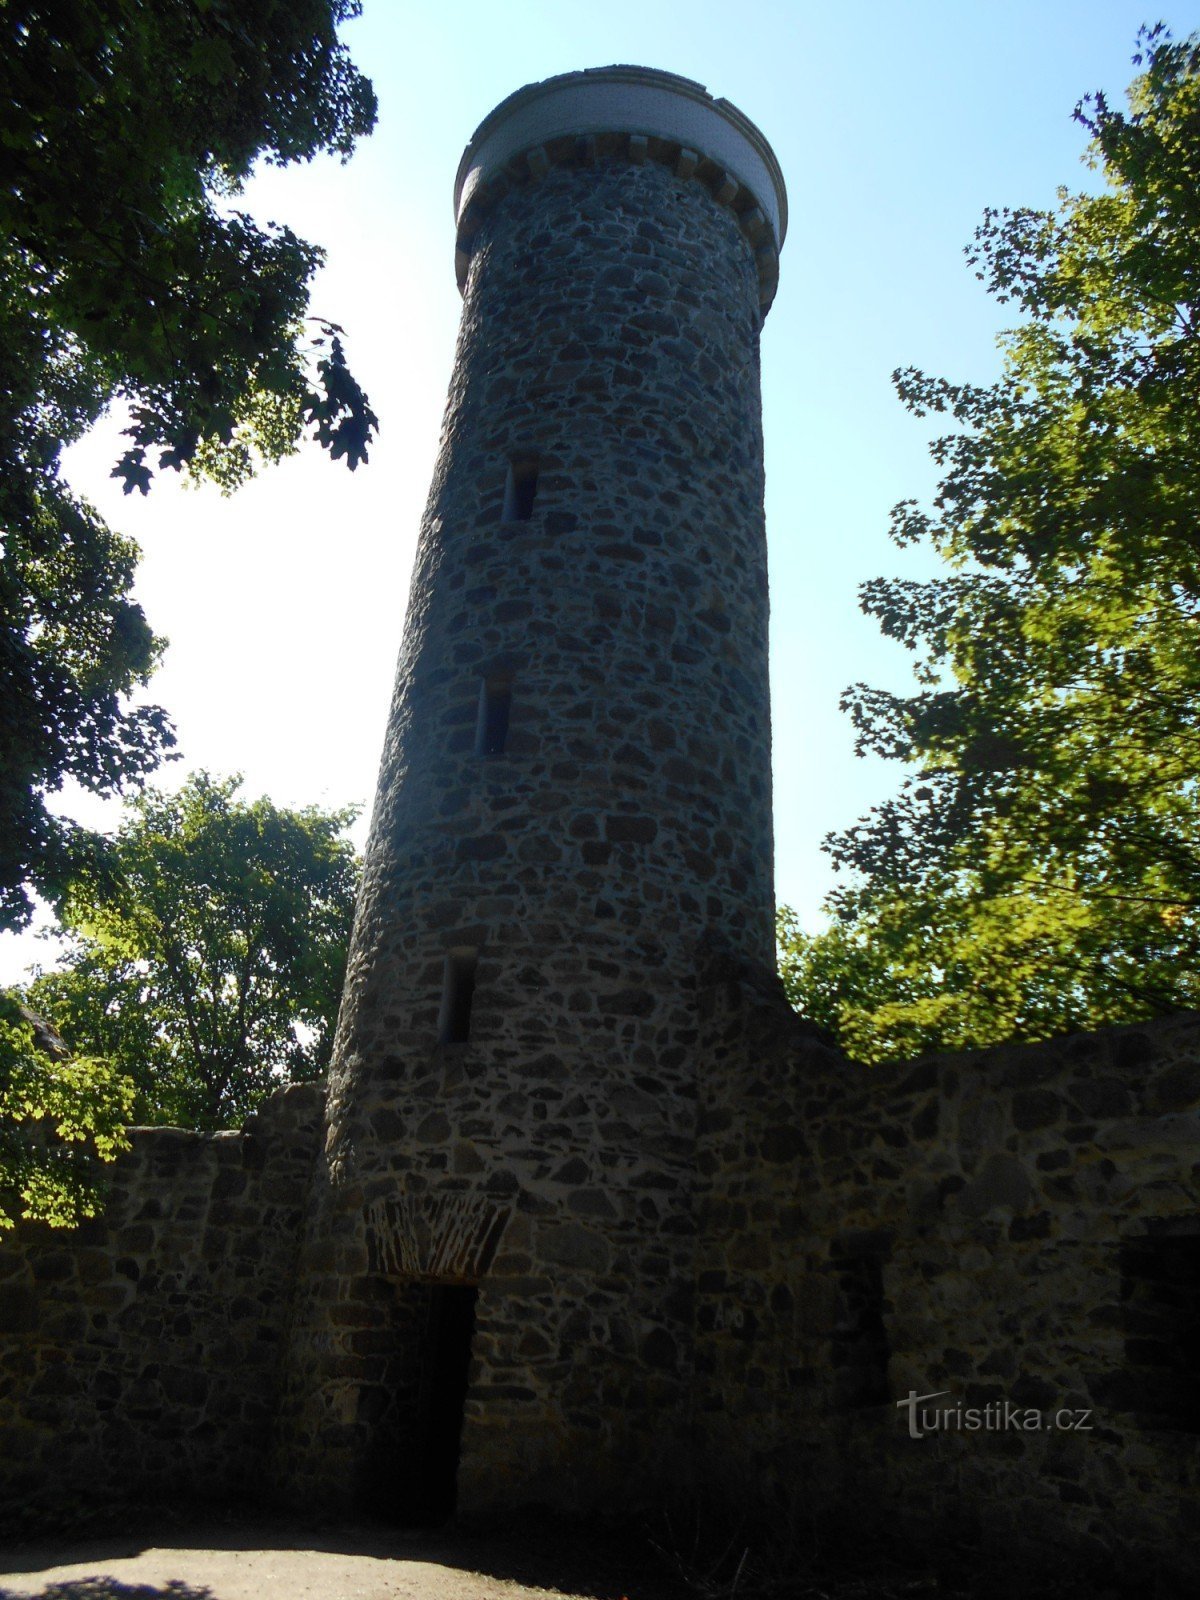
<point x="895" y="125"/>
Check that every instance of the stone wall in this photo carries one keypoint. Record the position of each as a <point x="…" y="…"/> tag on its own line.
<point x="1011" y="1227"/>
<point x="1016" y="1226"/>
<point x="140" y="1352"/>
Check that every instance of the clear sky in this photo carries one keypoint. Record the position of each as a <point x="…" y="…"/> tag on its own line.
<point x="895" y="122"/>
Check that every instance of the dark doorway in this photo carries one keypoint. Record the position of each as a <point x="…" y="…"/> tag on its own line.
<point x="419" y="1353"/>
<point x="447" y="1358"/>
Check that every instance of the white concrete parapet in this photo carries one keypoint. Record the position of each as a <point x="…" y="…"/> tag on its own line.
<point x="642" y="114"/>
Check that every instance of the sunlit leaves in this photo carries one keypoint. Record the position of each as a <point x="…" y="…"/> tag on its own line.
<point x="209" y="943"/>
<point x="1041" y="868"/>
<point x="60" y="1119"/>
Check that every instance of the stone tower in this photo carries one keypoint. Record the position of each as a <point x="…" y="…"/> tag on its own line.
<point x="497" y="1294"/>
<point x="590" y="1215"/>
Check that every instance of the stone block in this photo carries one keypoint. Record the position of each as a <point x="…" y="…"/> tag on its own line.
<point x="18" y="1308"/>
<point x="1002" y="1183"/>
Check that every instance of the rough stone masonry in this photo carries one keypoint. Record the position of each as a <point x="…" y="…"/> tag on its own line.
<point x="589" y="1218"/>
<point x="575" y="789"/>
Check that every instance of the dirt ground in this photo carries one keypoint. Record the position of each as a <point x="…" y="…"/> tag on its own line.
<point x="220" y="1561"/>
<point x="241" y="1556"/>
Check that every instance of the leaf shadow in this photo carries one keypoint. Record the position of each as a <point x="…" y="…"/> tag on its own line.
<point x="113" y="1589"/>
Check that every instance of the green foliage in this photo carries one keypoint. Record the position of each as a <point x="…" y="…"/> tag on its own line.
<point x="826" y="975"/>
<point x="59" y="1118"/>
<point x="130" y="126"/>
<point x="209" y="948"/>
<point x="1040" y="870"/>
<point x="71" y="644"/>
<point x="127" y="276"/>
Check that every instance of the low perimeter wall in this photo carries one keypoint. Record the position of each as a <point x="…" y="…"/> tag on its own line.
<point x="1014" y="1233"/>
<point x="1011" y="1235"/>
<point x="141" y="1351"/>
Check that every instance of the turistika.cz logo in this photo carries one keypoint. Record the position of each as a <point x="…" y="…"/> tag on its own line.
<point x="1000" y="1416"/>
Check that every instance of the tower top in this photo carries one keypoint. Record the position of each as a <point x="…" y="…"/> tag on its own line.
<point x="639" y="112"/>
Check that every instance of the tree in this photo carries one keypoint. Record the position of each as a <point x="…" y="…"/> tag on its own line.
<point x="59" y="1118"/>
<point x="128" y="277"/>
<point x="1040" y="868"/>
<point x="209" y="948"/>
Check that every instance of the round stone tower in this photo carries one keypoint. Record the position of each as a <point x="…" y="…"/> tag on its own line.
<point x="496" y="1292"/>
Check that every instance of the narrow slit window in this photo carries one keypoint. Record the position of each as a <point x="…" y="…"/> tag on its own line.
<point x="520" y="488"/>
<point x="458" y="991"/>
<point x="495" y="704"/>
